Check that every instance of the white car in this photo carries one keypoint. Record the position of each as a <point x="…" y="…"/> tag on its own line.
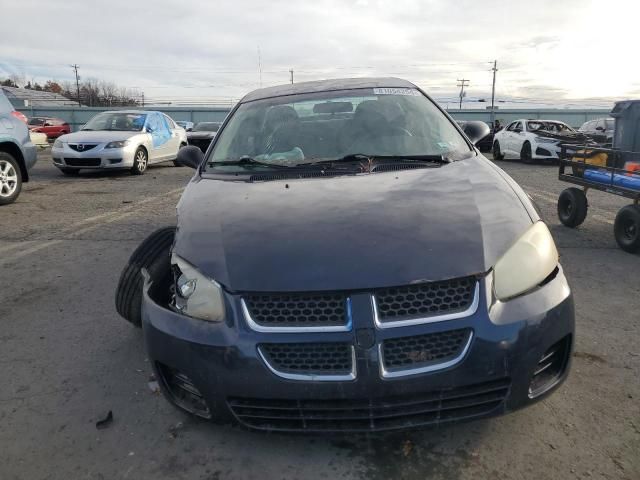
<point x="129" y="139"/>
<point x="530" y="140"/>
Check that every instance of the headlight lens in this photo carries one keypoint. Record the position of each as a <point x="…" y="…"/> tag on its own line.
<point x="546" y="140"/>
<point x="118" y="144"/>
<point x="196" y="295"/>
<point x="57" y="143"/>
<point x="526" y="264"/>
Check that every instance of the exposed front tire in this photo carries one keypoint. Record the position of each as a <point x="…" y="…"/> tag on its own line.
<point x="572" y="207"/>
<point x="525" y="153"/>
<point x="152" y="254"/>
<point x="140" y="162"/>
<point x="497" y="153"/>
<point x="10" y="179"/>
<point x="627" y="228"/>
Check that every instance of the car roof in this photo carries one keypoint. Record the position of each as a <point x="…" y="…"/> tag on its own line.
<point x="130" y="111"/>
<point x="326" y="86"/>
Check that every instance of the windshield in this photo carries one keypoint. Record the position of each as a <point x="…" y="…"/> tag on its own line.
<point x="206" y="127"/>
<point x="36" y="121"/>
<point x="120" y="121"/>
<point x="306" y="128"/>
<point x="556" y="127"/>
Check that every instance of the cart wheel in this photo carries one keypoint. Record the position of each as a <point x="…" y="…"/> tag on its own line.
<point x="627" y="228"/>
<point x="572" y="207"/>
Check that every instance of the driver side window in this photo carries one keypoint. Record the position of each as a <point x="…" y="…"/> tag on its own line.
<point x="153" y="125"/>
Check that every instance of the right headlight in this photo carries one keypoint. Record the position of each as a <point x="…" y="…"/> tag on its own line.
<point x="196" y="295"/>
<point x="57" y="143"/>
<point x="526" y="264"/>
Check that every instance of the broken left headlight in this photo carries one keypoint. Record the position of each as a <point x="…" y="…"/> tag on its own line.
<point x="196" y="295"/>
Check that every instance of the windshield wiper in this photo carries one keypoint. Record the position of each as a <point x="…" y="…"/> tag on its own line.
<point x="87" y="129"/>
<point x="354" y="157"/>
<point x="243" y="161"/>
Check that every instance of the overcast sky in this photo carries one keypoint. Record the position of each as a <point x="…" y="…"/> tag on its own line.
<point x="561" y="50"/>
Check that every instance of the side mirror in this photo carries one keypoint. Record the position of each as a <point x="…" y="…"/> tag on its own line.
<point x="190" y="156"/>
<point x="476" y="130"/>
<point x="600" y="129"/>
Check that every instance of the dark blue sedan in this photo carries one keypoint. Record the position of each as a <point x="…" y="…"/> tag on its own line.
<point x="346" y="260"/>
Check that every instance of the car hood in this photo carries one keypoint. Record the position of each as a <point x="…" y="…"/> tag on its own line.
<point x="97" y="136"/>
<point x="351" y="232"/>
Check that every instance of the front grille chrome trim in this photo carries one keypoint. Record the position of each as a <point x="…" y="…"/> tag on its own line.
<point x="430" y="319"/>
<point x="313" y="377"/>
<point x="384" y="373"/>
<point x="331" y="328"/>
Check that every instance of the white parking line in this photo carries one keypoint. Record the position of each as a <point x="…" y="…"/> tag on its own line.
<point x="83" y="226"/>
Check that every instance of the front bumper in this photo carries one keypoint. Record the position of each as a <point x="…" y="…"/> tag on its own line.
<point x="221" y="362"/>
<point x="549" y="151"/>
<point x="95" y="158"/>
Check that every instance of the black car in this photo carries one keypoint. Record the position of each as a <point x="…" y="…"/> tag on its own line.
<point x="202" y="134"/>
<point x="346" y="260"/>
<point x="600" y="130"/>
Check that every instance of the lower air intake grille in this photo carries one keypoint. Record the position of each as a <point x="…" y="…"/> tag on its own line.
<point x="550" y="367"/>
<point x="365" y="415"/>
<point x="407" y="353"/>
<point x="83" y="162"/>
<point x="425" y="299"/>
<point x="183" y="391"/>
<point x="297" y="310"/>
<point x="308" y="359"/>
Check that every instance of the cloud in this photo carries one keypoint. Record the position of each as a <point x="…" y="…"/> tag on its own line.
<point x="199" y="49"/>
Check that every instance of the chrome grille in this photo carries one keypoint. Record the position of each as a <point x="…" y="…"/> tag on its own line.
<point x="296" y="310"/>
<point x="422" y="353"/>
<point x="425" y="299"/>
<point x="309" y="360"/>
<point x="82" y="147"/>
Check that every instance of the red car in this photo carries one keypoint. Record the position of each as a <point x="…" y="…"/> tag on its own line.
<point x="52" y="127"/>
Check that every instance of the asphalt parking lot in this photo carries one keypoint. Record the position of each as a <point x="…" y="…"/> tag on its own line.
<point x="67" y="358"/>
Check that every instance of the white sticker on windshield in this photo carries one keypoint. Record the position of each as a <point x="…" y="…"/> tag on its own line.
<point x="396" y="91"/>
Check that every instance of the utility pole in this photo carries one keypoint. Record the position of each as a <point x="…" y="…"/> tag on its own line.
<point x="142" y="99"/>
<point x="493" y="94"/>
<point x="463" y="83"/>
<point x="291" y="72"/>
<point x="260" y="66"/>
<point x="75" y="69"/>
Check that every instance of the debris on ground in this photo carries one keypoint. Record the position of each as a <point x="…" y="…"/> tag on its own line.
<point x="407" y="448"/>
<point x="153" y="384"/>
<point x="175" y="429"/>
<point x="105" y="422"/>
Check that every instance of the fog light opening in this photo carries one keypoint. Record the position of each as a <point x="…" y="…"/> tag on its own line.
<point x="550" y="368"/>
<point x="183" y="391"/>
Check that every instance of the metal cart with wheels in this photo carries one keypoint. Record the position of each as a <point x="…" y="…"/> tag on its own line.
<point x="592" y="167"/>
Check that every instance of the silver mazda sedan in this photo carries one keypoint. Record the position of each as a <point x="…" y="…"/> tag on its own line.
<point x="130" y="139"/>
